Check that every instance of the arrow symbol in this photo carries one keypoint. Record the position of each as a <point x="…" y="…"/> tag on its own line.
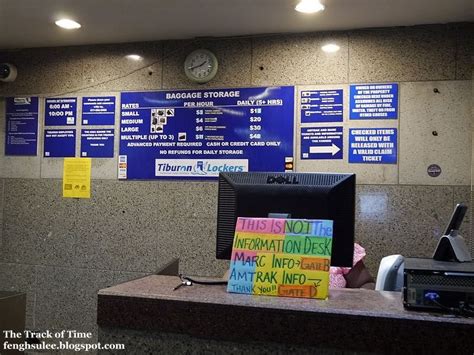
<point x="333" y="149"/>
<point x="316" y="283"/>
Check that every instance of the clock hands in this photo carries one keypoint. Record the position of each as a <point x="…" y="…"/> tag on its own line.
<point x="197" y="65"/>
<point x="200" y="65"/>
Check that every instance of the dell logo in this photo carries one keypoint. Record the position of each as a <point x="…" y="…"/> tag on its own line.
<point x="282" y="180"/>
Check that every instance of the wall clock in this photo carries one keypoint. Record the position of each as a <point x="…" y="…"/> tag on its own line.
<point x="200" y="66"/>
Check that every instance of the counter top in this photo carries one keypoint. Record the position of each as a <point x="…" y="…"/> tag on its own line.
<point x="342" y="321"/>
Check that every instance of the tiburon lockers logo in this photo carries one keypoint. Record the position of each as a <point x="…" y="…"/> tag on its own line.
<point x="199" y="167"/>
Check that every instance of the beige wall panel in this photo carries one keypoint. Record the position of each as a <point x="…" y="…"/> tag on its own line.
<point x="234" y="63"/>
<point x="45" y="70"/>
<point x="299" y="59"/>
<point x="465" y="51"/>
<point x="108" y="67"/>
<point x="402" y="54"/>
<point x="447" y="114"/>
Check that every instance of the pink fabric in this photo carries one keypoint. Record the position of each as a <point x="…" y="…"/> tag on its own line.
<point x="336" y="274"/>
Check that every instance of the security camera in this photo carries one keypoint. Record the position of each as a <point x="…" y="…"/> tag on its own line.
<point x="8" y="72"/>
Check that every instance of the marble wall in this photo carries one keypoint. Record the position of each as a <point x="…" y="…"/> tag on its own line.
<point x="1" y="212"/>
<point x="61" y="251"/>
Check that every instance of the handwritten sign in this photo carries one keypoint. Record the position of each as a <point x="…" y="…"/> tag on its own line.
<point x="281" y="257"/>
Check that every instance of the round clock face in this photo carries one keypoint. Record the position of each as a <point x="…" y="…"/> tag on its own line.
<point x="200" y="66"/>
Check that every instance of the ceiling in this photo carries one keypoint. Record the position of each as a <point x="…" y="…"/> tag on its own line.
<point x="30" y="23"/>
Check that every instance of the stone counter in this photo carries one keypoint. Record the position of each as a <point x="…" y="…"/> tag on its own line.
<point x="193" y="318"/>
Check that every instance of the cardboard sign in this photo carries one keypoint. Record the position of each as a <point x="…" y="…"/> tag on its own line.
<point x="281" y="257"/>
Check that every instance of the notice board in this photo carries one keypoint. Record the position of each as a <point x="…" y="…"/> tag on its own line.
<point x="21" y="131"/>
<point x="196" y="134"/>
<point x="281" y="257"/>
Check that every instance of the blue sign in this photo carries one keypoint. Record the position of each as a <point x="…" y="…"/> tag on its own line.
<point x="373" y="101"/>
<point x="321" y="142"/>
<point x="97" y="143"/>
<point x="21" y="133"/>
<point x="59" y="143"/>
<point x="321" y="106"/>
<point x="198" y="133"/>
<point x="60" y="111"/>
<point x="373" y="145"/>
<point x="99" y="110"/>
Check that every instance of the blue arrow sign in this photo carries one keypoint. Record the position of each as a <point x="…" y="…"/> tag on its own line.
<point x="321" y="143"/>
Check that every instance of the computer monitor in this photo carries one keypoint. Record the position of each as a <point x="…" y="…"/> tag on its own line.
<point x="299" y="195"/>
<point x="451" y="246"/>
<point x="456" y="218"/>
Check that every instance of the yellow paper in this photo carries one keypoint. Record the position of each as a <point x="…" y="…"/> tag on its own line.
<point x="77" y="177"/>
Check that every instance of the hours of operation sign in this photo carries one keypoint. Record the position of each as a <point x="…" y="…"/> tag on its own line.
<point x="60" y="111"/>
<point x="199" y="133"/>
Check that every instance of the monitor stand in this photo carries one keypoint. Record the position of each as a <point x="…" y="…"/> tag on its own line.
<point x="452" y="248"/>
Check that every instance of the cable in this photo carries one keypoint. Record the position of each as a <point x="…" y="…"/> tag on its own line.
<point x="196" y="41"/>
<point x="463" y="310"/>
<point x="466" y="309"/>
<point x="203" y="282"/>
<point x="452" y="310"/>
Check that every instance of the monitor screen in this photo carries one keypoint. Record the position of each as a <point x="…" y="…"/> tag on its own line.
<point x="299" y="195"/>
<point x="456" y="218"/>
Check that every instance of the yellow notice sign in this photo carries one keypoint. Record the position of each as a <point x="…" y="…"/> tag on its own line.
<point x="77" y="177"/>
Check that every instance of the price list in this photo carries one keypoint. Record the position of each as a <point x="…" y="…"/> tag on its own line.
<point x="200" y="133"/>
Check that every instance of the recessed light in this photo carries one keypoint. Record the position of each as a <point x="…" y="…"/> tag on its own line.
<point x="68" y="24"/>
<point x="309" y="6"/>
<point x="330" y="48"/>
<point x="134" y="57"/>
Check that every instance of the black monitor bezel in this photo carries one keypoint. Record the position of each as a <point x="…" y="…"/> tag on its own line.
<point x="456" y="219"/>
<point x="344" y="182"/>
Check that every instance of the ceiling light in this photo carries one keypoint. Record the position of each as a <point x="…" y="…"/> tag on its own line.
<point x="330" y="48"/>
<point x="135" y="57"/>
<point x="68" y="24"/>
<point x="309" y="6"/>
